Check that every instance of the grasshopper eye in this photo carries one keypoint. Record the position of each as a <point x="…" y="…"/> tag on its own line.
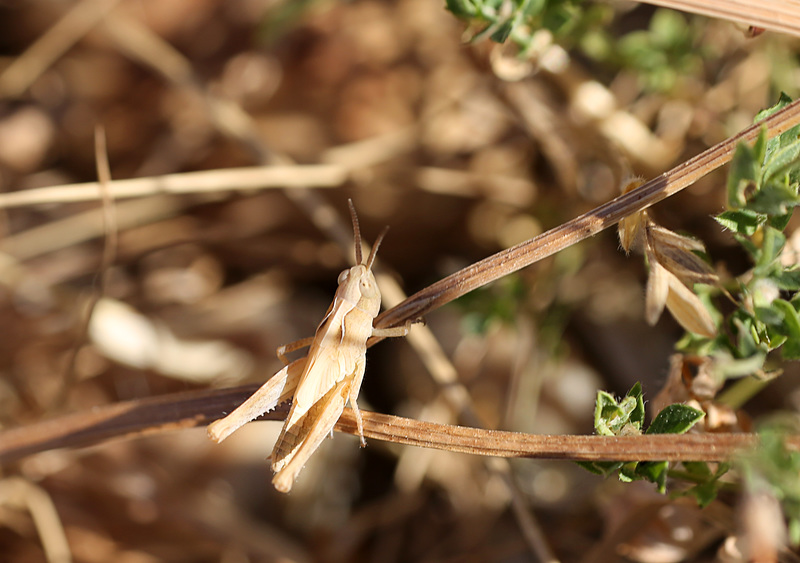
<point x="343" y="276"/>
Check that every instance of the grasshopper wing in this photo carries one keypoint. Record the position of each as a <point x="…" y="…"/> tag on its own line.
<point x="315" y="426"/>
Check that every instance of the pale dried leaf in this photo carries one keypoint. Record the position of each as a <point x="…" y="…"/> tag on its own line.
<point x="674" y="252"/>
<point x="657" y="292"/>
<point x="672" y="238"/>
<point x="630" y="231"/>
<point x="688" y="310"/>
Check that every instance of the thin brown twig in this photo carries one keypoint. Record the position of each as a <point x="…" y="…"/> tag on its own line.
<point x="109" y="255"/>
<point x="198" y="408"/>
<point x="124" y="420"/>
<point x="584" y="226"/>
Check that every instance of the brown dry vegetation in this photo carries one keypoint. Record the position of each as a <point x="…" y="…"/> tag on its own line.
<point x="426" y="134"/>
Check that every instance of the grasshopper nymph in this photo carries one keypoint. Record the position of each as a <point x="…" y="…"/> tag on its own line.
<point x="321" y="383"/>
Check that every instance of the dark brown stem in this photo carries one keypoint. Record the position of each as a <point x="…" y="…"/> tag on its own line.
<point x="526" y="253"/>
<point x="198" y="408"/>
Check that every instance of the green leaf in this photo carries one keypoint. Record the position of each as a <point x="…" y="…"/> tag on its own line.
<point x="780" y="222"/>
<point x="694" y="344"/>
<point x="655" y="472"/>
<point x="787" y="138"/>
<point x="604" y="468"/>
<point x="627" y="472"/>
<point x="704" y="493"/>
<point x="558" y="18"/>
<point x="461" y="8"/>
<point x="533" y="8"/>
<point x="746" y="333"/>
<point x="788" y="280"/>
<point x="742" y="221"/>
<point x="637" y="414"/>
<point x="729" y="367"/>
<point x="769" y="316"/>
<point x="698" y="469"/>
<point x="783" y="101"/>
<point x="782" y="155"/>
<point x="748" y="245"/>
<point x="774" y="198"/>
<point x="743" y="175"/>
<point x="760" y="146"/>
<point x="770" y="251"/>
<point x="790" y="350"/>
<point x="603" y="408"/>
<point x="503" y="32"/>
<point x="782" y="162"/>
<point x="791" y="328"/>
<point x="612" y="417"/>
<point x="675" y="419"/>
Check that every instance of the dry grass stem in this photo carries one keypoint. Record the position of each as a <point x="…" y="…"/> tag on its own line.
<point x="526" y="253"/>
<point x="188" y="410"/>
<point x="141" y="44"/>
<point x="17" y="492"/>
<point x="226" y="180"/>
<point x="81" y="227"/>
<point x="26" y="68"/>
<point x="110" y="229"/>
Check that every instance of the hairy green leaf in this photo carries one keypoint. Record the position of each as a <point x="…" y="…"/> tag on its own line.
<point x="742" y="221"/>
<point x="675" y="419"/>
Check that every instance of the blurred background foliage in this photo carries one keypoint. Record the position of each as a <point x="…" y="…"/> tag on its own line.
<point x="465" y="145"/>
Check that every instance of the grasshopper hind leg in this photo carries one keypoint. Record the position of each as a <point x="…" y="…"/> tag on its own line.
<point x="279" y="388"/>
<point x="358" y="377"/>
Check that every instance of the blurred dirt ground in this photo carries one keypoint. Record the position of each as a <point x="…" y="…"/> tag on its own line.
<point x="461" y="149"/>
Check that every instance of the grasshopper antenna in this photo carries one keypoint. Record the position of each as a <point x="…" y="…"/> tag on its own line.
<point x="375" y="247"/>
<point x="356" y="230"/>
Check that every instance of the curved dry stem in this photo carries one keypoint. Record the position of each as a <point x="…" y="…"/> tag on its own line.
<point x="198" y="408"/>
<point x="526" y="253"/>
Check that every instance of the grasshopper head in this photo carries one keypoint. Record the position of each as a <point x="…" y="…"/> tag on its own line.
<point x="358" y="286"/>
<point x="358" y="282"/>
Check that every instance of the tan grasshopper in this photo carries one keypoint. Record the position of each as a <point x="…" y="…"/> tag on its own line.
<point x="321" y="383"/>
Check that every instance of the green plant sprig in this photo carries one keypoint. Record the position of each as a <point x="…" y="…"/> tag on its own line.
<point x="625" y="417"/>
<point x="762" y="192"/>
